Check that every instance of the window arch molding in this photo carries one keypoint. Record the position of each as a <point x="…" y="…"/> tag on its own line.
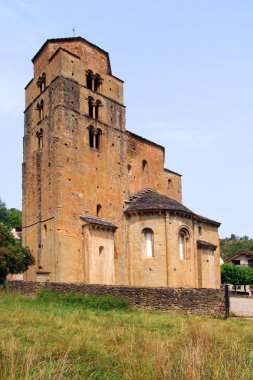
<point x="148" y="235"/>
<point x="183" y="243"/>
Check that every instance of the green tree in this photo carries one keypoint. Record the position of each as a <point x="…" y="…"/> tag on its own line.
<point x="3" y="213"/>
<point x="236" y="275"/>
<point x="14" y="258"/>
<point x="14" y="218"/>
<point x="246" y="275"/>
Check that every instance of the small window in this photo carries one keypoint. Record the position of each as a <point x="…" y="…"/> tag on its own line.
<point x="99" y="210"/>
<point x="183" y="243"/>
<point x="250" y="263"/>
<point x="169" y="183"/>
<point x="129" y="169"/>
<point x="89" y="79"/>
<point x="148" y="236"/>
<point x="200" y="230"/>
<point x="101" y="250"/>
<point x="236" y="262"/>
<point x="144" y="166"/>
<point x="90" y="106"/>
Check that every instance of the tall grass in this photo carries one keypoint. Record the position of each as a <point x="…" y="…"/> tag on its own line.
<point x="74" y="337"/>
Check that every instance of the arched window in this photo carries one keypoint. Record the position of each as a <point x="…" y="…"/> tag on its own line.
<point x="97" y="106"/>
<point x="99" y="210"/>
<point x="144" y="166"/>
<point x="90" y="106"/>
<point x="39" y="135"/>
<point x="183" y="243"/>
<point x="89" y="79"/>
<point x="91" y="136"/>
<point x="101" y="250"/>
<point x="97" y="82"/>
<point x="98" y="138"/>
<point x="149" y="237"/>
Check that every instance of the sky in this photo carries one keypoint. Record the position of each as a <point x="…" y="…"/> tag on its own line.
<point x="188" y="72"/>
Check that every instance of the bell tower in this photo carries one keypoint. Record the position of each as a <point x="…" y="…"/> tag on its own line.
<point x="73" y="162"/>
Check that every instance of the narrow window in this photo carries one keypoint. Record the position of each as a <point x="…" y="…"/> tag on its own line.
<point x="97" y="82"/>
<point x="144" y="166"/>
<point x="101" y="250"/>
<point x="170" y="183"/>
<point x="148" y="235"/>
<point x="98" y="104"/>
<point x="129" y="169"/>
<point x="91" y="137"/>
<point x="200" y="230"/>
<point x="90" y="106"/>
<point x="98" y="138"/>
<point x="45" y="230"/>
<point x="43" y="81"/>
<point x="99" y="210"/>
<point x="39" y="135"/>
<point x="89" y="79"/>
<point x="41" y="110"/>
<point x="183" y="240"/>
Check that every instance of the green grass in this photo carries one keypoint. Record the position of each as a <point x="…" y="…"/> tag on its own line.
<point x="87" y="337"/>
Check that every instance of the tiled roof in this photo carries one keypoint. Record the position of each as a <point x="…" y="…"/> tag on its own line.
<point x="241" y="252"/>
<point x="93" y="220"/>
<point x="206" y="245"/>
<point x="150" y="200"/>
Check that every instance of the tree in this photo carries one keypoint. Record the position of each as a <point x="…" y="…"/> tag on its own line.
<point x="3" y="213"/>
<point x="236" y="275"/>
<point x="14" y="258"/>
<point x="14" y="218"/>
<point x="246" y="275"/>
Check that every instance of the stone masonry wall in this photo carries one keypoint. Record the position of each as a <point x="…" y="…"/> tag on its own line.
<point x="206" y="302"/>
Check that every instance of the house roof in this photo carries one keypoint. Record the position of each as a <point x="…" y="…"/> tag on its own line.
<point x="150" y="200"/>
<point x="95" y="221"/>
<point x="206" y="245"/>
<point x="239" y="253"/>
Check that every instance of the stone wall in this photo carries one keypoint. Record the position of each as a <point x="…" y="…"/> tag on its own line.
<point x="206" y="302"/>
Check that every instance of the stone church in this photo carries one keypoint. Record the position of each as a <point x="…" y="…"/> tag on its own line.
<point x="98" y="205"/>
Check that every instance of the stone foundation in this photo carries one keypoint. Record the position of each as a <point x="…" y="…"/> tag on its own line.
<point x="205" y="302"/>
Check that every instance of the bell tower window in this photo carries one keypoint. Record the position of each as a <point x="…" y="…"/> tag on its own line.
<point x="97" y="82"/>
<point x="39" y="135"/>
<point x="97" y="112"/>
<point x="98" y="138"/>
<point x="89" y="79"/>
<point x="90" y="106"/>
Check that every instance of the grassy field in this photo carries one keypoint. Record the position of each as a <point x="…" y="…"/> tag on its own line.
<point x="57" y="337"/>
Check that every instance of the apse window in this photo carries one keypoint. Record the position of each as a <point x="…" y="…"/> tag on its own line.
<point x="183" y="240"/>
<point x="148" y="237"/>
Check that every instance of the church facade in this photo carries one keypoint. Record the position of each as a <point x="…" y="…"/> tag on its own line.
<point x="98" y="205"/>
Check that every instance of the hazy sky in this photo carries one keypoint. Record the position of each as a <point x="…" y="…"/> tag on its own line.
<point x="188" y="72"/>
